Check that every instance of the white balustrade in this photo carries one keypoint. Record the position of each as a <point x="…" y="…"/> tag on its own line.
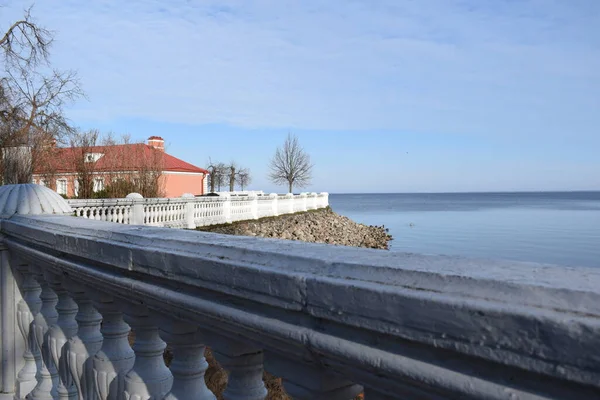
<point x="285" y="204"/>
<point x="28" y="307"/>
<point x="391" y="325"/>
<point x="87" y="342"/>
<point x="188" y="365"/>
<point x="149" y="378"/>
<point x="265" y="205"/>
<point x="191" y="212"/>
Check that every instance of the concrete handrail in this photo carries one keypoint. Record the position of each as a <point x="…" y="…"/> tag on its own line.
<point x="325" y="318"/>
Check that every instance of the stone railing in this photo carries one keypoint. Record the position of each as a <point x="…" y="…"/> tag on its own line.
<point x="330" y="321"/>
<point x="191" y="212"/>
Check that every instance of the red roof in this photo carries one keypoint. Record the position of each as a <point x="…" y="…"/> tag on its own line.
<point x="124" y="157"/>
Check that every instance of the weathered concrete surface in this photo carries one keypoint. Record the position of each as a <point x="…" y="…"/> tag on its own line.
<point x="426" y="326"/>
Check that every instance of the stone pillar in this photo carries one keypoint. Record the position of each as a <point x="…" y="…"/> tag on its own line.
<point x="137" y="209"/>
<point x="60" y="334"/>
<point x="274" y="204"/>
<point x="115" y="358"/>
<point x="11" y="343"/>
<point x="189" y="210"/>
<point x="324" y="200"/>
<point x="254" y="201"/>
<point x="149" y="377"/>
<point x="303" y="201"/>
<point x="244" y="363"/>
<point x="189" y="365"/>
<point x="88" y="341"/>
<point x="227" y="207"/>
<point x="27" y="308"/>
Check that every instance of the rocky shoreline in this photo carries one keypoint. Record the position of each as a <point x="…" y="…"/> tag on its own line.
<point x="316" y="226"/>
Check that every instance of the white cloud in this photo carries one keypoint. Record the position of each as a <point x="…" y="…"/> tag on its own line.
<point x="432" y="65"/>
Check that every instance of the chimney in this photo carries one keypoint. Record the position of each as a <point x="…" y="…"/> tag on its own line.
<point x="157" y="142"/>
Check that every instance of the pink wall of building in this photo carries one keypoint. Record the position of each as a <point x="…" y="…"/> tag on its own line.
<point x="175" y="184"/>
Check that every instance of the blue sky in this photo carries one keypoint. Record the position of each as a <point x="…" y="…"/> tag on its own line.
<point x="386" y="96"/>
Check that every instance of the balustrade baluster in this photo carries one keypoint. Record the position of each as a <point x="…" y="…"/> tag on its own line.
<point x="59" y="334"/>
<point x="83" y="346"/>
<point x="27" y="309"/>
<point x="244" y="364"/>
<point x="115" y="358"/>
<point x="188" y="365"/>
<point x="149" y="377"/>
<point x="47" y="374"/>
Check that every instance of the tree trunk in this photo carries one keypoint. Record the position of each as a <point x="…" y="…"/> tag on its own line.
<point x="212" y="183"/>
<point x="291" y="184"/>
<point x="232" y="180"/>
<point x="17" y="165"/>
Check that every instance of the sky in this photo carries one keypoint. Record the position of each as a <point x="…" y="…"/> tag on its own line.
<point x="385" y="95"/>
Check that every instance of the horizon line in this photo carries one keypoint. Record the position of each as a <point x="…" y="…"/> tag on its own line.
<point x="482" y="192"/>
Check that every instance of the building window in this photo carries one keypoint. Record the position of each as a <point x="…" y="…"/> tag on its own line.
<point x="76" y="187"/>
<point x="98" y="184"/>
<point x="43" y="182"/>
<point x="61" y="186"/>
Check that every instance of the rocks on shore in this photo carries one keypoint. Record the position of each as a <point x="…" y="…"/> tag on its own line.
<point x="319" y="226"/>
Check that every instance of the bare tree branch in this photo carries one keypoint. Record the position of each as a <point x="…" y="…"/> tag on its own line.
<point x="291" y="165"/>
<point x="32" y="98"/>
<point x="25" y="43"/>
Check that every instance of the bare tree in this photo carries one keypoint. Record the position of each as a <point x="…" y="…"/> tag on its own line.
<point x="25" y="43"/>
<point x="243" y="177"/>
<point x="291" y="164"/>
<point x="231" y="174"/>
<point x="84" y="162"/>
<point x="31" y="99"/>
<point x="217" y="175"/>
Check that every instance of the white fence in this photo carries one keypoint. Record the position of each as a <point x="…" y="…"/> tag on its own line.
<point x="330" y="321"/>
<point x="191" y="212"/>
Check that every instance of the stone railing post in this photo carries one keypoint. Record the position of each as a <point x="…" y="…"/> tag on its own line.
<point x="253" y="204"/>
<point x="324" y="200"/>
<point x="137" y="209"/>
<point x="227" y="207"/>
<point x="16" y="315"/>
<point x="274" y="204"/>
<point x="303" y="201"/>
<point x="189" y="210"/>
<point x="11" y="342"/>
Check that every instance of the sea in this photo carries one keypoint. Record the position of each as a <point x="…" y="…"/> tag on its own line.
<point x="561" y="228"/>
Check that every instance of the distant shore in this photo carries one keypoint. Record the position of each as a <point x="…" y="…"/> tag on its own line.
<point x="318" y="226"/>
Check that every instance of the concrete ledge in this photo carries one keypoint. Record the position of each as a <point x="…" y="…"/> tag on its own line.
<point x="403" y="323"/>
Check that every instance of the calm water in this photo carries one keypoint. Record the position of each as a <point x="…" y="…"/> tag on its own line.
<point x="558" y="228"/>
